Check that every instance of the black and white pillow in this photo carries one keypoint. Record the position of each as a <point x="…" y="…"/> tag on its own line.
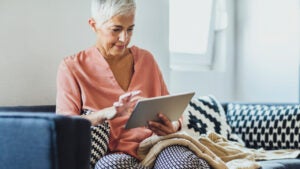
<point x="99" y="140"/>
<point x="205" y="114"/>
<point x="266" y="126"/>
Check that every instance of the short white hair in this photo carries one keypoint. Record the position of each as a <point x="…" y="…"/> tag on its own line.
<point x="103" y="10"/>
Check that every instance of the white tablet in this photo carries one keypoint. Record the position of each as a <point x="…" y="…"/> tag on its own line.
<point x="147" y="109"/>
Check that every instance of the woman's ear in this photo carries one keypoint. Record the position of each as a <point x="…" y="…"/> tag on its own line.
<point x="93" y="24"/>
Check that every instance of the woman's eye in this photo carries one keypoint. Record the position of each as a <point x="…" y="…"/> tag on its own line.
<point x="116" y="30"/>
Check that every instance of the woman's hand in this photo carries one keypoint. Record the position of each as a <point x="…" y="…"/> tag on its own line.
<point x="127" y="102"/>
<point x="164" y="127"/>
<point x="98" y="117"/>
<point x="123" y="106"/>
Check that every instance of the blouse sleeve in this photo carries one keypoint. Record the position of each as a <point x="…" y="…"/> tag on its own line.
<point x="163" y="85"/>
<point x="68" y="98"/>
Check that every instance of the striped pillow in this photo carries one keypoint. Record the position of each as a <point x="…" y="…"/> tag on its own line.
<point x="99" y="140"/>
<point x="205" y="114"/>
<point x="266" y="126"/>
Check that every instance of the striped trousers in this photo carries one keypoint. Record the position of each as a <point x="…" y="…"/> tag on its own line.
<point x="173" y="157"/>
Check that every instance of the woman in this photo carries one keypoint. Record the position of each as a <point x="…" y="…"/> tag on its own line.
<point x="108" y="78"/>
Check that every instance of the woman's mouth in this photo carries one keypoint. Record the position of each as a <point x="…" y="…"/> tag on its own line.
<point x="120" y="46"/>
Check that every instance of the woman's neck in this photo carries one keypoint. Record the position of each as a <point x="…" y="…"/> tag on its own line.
<point x="113" y="58"/>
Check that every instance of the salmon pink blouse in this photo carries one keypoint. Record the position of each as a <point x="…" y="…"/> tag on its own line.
<point x="85" y="81"/>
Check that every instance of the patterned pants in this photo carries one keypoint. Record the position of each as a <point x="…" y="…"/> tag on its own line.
<point x="174" y="157"/>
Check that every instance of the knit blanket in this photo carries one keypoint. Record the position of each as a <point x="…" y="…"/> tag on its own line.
<point x="215" y="149"/>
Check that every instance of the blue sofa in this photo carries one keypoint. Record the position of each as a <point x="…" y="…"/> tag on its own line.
<point x="246" y="120"/>
<point x="33" y="137"/>
<point x="23" y="138"/>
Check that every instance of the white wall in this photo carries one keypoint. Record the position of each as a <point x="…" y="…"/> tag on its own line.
<point x="36" y="34"/>
<point x="263" y="50"/>
<point x="152" y="31"/>
<point x="219" y="83"/>
<point x="268" y="50"/>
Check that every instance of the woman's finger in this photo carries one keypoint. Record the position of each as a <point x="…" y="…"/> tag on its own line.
<point x="124" y="97"/>
<point x="157" y="131"/>
<point x="128" y="96"/>
<point x="160" y="127"/>
<point x="164" y="119"/>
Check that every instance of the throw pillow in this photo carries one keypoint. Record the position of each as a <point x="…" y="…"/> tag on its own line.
<point x="99" y="140"/>
<point x="266" y="126"/>
<point x="205" y="114"/>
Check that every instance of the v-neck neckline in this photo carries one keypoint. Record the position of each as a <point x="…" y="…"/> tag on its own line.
<point x="111" y="74"/>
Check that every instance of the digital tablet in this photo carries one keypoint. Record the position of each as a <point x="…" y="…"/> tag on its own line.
<point x="147" y="109"/>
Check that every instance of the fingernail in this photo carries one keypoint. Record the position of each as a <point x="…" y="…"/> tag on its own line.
<point x="136" y="92"/>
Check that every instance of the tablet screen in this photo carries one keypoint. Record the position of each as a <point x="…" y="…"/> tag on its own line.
<point x="147" y="109"/>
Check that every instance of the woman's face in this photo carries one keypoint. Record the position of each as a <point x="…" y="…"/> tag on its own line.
<point x="114" y="35"/>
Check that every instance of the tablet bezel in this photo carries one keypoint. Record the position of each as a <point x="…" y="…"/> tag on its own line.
<point x="147" y="109"/>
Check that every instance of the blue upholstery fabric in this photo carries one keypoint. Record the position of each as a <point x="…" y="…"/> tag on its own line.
<point x="43" y="108"/>
<point x="48" y="141"/>
<point x="281" y="164"/>
<point x="43" y="141"/>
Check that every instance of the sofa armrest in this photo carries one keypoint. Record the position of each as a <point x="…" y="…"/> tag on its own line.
<point x="43" y="141"/>
<point x="33" y="108"/>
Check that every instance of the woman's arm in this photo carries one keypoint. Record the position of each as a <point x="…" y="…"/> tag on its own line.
<point x="68" y="96"/>
<point x="100" y="116"/>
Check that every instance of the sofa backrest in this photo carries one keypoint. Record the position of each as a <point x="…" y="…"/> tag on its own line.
<point x="225" y="104"/>
<point x="35" y="108"/>
<point x="266" y="125"/>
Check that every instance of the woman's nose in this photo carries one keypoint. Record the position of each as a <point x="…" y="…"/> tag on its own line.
<point x="123" y="36"/>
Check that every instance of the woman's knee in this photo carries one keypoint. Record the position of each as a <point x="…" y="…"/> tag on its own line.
<point x="116" y="161"/>
<point x="179" y="157"/>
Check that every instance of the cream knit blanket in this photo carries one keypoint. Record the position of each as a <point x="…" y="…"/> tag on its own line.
<point x="215" y="149"/>
<point x="150" y="148"/>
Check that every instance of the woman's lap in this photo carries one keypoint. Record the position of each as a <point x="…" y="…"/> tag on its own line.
<point x="118" y="161"/>
<point x="179" y="157"/>
<point x="171" y="157"/>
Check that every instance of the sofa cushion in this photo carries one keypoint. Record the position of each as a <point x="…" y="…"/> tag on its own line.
<point x="204" y="114"/>
<point x="280" y="164"/>
<point x="266" y="126"/>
